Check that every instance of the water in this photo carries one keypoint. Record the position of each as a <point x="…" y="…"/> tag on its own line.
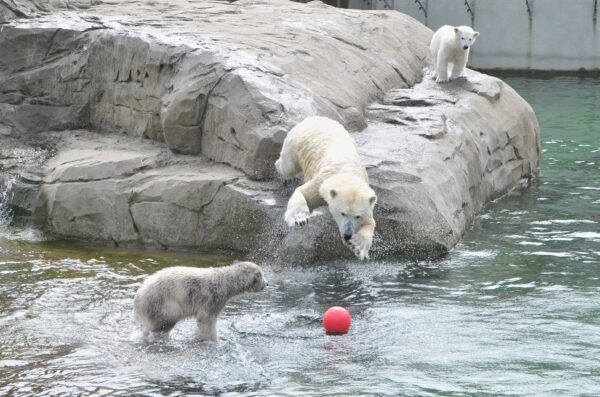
<point x="512" y="311"/>
<point x="6" y="214"/>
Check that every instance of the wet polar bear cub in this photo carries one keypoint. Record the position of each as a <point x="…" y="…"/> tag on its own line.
<point x="451" y="44"/>
<point x="175" y="293"/>
<point x="333" y="175"/>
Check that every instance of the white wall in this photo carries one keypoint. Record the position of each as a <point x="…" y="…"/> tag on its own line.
<point x="561" y="35"/>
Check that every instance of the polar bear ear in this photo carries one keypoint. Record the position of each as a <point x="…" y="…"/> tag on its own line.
<point x="475" y="34"/>
<point x="332" y="193"/>
<point x="372" y="200"/>
<point x="455" y="30"/>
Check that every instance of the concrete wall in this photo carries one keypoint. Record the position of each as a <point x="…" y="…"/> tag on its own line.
<point x="560" y="35"/>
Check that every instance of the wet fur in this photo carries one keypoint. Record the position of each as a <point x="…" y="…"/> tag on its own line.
<point x="175" y="293"/>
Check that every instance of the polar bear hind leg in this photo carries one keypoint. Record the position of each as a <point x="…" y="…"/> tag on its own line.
<point x="287" y="165"/>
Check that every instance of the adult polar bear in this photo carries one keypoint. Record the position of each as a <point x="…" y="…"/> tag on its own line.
<point x="451" y="44"/>
<point x="333" y="174"/>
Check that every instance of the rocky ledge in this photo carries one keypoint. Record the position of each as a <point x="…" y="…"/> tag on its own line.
<point x="160" y="123"/>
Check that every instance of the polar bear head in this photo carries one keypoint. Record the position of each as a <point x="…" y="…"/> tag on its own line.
<point x="465" y="36"/>
<point x="249" y="275"/>
<point x="351" y="201"/>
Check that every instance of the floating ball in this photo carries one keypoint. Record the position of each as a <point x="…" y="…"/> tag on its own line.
<point x="336" y="320"/>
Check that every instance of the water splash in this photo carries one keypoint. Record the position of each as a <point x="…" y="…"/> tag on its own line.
<point x="6" y="214"/>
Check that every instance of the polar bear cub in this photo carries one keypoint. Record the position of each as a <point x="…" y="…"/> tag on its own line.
<point x="325" y="152"/>
<point x="175" y="293"/>
<point x="451" y="44"/>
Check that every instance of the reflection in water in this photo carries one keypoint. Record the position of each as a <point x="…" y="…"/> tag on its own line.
<point x="513" y="310"/>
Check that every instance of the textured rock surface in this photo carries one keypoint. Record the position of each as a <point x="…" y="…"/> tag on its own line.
<point x="214" y="87"/>
<point x="436" y="154"/>
<point x="224" y="80"/>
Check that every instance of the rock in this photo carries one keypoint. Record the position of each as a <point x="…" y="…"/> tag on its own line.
<point x="175" y="202"/>
<point x="225" y="80"/>
<point x="169" y="119"/>
<point x="12" y="9"/>
<point x="464" y="144"/>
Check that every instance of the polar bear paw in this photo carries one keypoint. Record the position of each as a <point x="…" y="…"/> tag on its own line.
<point x="360" y="246"/>
<point x="297" y="218"/>
<point x="439" y="79"/>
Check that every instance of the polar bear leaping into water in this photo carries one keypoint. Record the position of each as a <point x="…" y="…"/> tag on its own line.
<point x="451" y="44"/>
<point x="175" y="293"/>
<point x="333" y="174"/>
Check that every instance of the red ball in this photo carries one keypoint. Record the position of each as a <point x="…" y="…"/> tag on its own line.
<point x="337" y="320"/>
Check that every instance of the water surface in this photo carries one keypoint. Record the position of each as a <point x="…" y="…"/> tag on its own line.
<point x="512" y="311"/>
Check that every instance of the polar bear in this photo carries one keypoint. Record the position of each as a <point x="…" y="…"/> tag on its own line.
<point x="175" y="293"/>
<point x="451" y="44"/>
<point x="325" y="152"/>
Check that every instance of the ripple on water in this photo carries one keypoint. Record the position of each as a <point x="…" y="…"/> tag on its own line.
<point x="511" y="311"/>
<point x="555" y="254"/>
<point x="563" y="222"/>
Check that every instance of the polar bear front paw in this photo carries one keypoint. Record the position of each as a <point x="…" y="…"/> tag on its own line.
<point x="441" y="79"/>
<point x="297" y="218"/>
<point x="360" y="246"/>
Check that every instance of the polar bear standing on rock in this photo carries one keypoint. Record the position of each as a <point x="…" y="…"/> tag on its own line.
<point x="451" y="44"/>
<point x="175" y="293"/>
<point x="333" y="175"/>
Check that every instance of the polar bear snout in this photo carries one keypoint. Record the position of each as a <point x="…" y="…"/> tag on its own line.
<point x="347" y="228"/>
<point x="465" y="47"/>
<point x="257" y="281"/>
<point x="261" y="284"/>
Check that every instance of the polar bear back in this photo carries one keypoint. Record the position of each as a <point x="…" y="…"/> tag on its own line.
<point x="170" y="287"/>
<point x="323" y="145"/>
<point x="444" y="37"/>
<point x="182" y="291"/>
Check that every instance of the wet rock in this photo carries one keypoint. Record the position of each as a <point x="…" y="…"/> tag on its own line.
<point x="158" y="199"/>
<point x="33" y="177"/>
<point x="459" y="146"/>
<point x="24" y="190"/>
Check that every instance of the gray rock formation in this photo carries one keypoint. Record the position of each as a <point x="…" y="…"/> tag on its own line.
<point x="168" y="117"/>
<point x="213" y="78"/>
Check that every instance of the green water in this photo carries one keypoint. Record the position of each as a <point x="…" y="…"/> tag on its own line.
<point x="514" y="310"/>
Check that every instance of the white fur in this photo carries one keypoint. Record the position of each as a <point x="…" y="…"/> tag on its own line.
<point x="451" y="44"/>
<point x="326" y="153"/>
<point x="175" y="293"/>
